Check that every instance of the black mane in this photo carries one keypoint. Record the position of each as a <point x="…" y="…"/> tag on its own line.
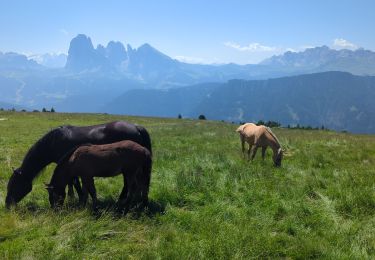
<point x="41" y="153"/>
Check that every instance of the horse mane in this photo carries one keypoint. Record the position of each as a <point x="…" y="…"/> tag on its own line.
<point x="62" y="162"/>
<point x="272" y="134"/>
<point x="39" y="155"/>
<point x="68" y="154"/>
<point x="239" y="129"/>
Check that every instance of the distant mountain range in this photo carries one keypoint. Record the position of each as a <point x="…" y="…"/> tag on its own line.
<point x="50" y="60"/>
<point x="97" y="78"/>
<point x="12" y="61"/>
<point x="319" y="59"/>
<point x="337" y="100"/>
<point x="7" y="106"/>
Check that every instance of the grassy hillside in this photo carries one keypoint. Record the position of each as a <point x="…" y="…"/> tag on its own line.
<point x="206" y="201"/>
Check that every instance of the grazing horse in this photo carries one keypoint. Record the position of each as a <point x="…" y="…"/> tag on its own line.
<point x="59" y="141"/>
<point x="260" y="136"/>
<point x="106" y="160"/>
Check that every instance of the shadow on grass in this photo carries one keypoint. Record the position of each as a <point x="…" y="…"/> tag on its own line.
<point x="104" y="206"/>
<point x="110" y="206"/>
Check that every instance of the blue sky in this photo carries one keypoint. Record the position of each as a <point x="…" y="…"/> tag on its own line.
<point x="204" y="31"/>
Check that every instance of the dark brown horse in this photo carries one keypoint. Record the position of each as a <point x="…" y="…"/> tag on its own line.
<point x="107" y="160"/>
<point x="59" y="141"/>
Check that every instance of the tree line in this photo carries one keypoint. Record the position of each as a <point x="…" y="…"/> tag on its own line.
<point x="35" y="110"/>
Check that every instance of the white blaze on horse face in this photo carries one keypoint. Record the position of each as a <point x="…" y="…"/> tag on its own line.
<point x="279" y="157"/>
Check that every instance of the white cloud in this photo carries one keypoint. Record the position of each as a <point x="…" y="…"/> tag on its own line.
<point x="252" y="47"/>
<point x="188" y="59"/>
<point x="63" y="31"/>
<point x="291" y="50"/>
<point x="53" y="60"/>
<point x="305" y="47"/>
<point x="341" y="43"/>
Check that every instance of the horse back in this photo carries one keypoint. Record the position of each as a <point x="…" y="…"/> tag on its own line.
<point x="242" y="127"/>
<point x="108" y="159"/>
<point x="255" y="134"/>
<point x="104" y="133"/>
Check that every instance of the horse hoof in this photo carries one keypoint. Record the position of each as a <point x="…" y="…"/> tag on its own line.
<point x="122" y="210"/>
<point x="82" y="204"/>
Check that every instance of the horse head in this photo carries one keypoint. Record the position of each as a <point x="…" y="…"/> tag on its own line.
<point x="18" y="187"/>
<point x="279" y="156"/>
<point x="56" y="197"/>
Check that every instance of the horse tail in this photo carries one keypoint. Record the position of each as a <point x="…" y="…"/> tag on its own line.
<point x="146" y="174"/>
<point x="146" y="140"/>
<point x="272" y="134"/>
<point x="239" y="129"/>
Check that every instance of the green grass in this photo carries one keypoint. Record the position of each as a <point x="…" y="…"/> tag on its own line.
<point x="206" y="201"/>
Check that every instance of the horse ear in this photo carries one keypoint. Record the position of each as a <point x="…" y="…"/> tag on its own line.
<point x="17" y="171"/>
<point x="48" y="186"/>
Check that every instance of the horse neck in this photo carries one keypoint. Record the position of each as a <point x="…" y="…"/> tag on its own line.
<point x="274" y="144"/>
<point x="39" y="156"/>
<point x="32" y="165"/>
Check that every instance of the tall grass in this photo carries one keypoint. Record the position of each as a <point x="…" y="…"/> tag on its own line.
<point x="206" y="200"/>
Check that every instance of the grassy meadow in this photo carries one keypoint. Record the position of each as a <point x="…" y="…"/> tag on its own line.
<point x="206" y="200"/>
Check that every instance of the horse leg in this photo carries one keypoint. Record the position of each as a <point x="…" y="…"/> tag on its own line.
<point x="77" y="186"/>
<point x="83" y="198"/>
<point x="70" y="189"/>
<point x="132" y="195"/>
<point x="242" y="144"/>
<point x="90" y="186"/>
<point x="141" y="188"/>
<point x="264" y="148"/>
<point x="125" y="204"/>
<point x="124" y="191"/>
<point x="254" y="152"/>
<point x="145" y="185"/>
<point x="248" y="152"/>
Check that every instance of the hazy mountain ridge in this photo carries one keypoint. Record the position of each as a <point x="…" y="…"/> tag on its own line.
<point x="336" y="100"/>
<point x="144" y="64"/>
<point x="94" y="77"/>
<point x="162" y="103"/>
<point x="11" y="61"/>
<point x="319" y="59"/>
<point x="50" y="60"/>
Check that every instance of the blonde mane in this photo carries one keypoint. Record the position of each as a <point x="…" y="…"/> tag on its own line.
<point x="272" y="134"/>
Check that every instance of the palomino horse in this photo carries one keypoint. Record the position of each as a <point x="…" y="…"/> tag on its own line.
<point x="59" y="141"/>
<point x="107" y="160"/>
<point x="260" y="136"/>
